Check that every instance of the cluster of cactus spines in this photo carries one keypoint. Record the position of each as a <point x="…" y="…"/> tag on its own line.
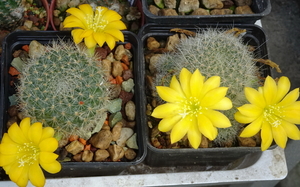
<point x="11" y="12"/>
<point x="64" y="88"/>
<point x="214" y="52"/>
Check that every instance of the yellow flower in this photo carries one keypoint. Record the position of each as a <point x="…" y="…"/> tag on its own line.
<point x="97" y="27"/>
<point x="24" y="149"/>
<point x="272" y="110"/>
<point x="191" y="107"/>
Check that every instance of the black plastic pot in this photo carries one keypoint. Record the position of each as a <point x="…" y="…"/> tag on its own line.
<point x="260" y="8"/>
<point x="220" y="156"/>
<point x="15" y="41"/>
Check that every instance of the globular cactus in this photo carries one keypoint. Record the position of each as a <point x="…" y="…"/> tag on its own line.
<point x="11" y="12"/>
<point x="214" y="52"/>
<point x="64" y="88"/>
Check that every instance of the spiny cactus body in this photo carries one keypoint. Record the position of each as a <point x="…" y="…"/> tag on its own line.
<point x="64" y="88"/>
<point x="11" y="12"/>
<point x="214" y="52"/>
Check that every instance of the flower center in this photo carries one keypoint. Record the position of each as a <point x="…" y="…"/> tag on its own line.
<point x="273" y="115"/>
<point x="96" y="23"/>
<point x="191" y="106"/>
<point x="27" y="154"/>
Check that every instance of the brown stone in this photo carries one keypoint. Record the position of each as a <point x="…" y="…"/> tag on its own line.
<point x="167" y="12"/>
<point x="116" y="152"/>
<point x="200" y="11"/>
<point x="152" y="43"/>
<point x="75" y="147"/>
<point x="153" y="10"/>
<point x="117" y="69"/>
<point x="130" y="154"/>
<point x="221" y="11"/>
<point x="101" y="155"/>
<point x="102" y="139"/>
<point x="243" y="10"/>
<point x="116" y="131"/>
<point x="87" y="156"/>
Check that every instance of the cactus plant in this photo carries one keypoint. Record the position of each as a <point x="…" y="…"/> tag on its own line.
<point x="11" y="12"/>
<point x="214" y="52"/>
<point x="64" y="88"/>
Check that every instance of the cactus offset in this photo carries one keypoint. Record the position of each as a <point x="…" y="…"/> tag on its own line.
<point x="11" y="12"/>
<point x="64" y="88"/>
<point x="214" y="52"/>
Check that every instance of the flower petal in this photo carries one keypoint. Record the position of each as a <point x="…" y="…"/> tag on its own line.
<point x="213" y="96"/>
<point x="175" y="85"/>
<point x="291" y="116"/>
<point x="223" y="104"/>
<point x="47" y="157"/>
<point x="166" y="124"/>
<point x="250" y="110"/>
<point x="23" y="179"/>
<point x="116" y="25"/>
<point x="90" y="42"/>
<point x="16" y="171"/>
<point x="86" y="33"/>
<point x="76" y="33"/>
<point x="283" y="87"/>
<point x="196" y="83"/>
<point x="25" y="125"/>
<point x="291" y="130"/>
<point x="211" y="83"/>
<point x="194" y="134"/>
<point x="266" y="136"/>
<point x="36" y="175"/>
<point x="270" y="90"/>
<point x="180" y="129"/>
<point x="111" y="16"/>
<point x="165" y="110"/>
<point x="280" y="136"/>
<point x="73" y="21"/>
<point x="239" y="117"/>
<point x="48" y="145"/>
<point x="253" y="128"/>
<point x="9" y="148"/>
<point x="53" y="167"/>
<point x="79" y="14"/>
<point x="35" y="132"/>
<point x="7" y="159"/>
<point x="293" y="106"/>
<point x="86" y="9"/>
<point x="218" y="119"/>
<point x="290" y="98"/>
<point x="115" y="33"/>
<point x="184" y="78"/>
<point x="100" y="38"/>
<point x="16" y="134"/>
<point x="110" y="41"/>
<point x="206" y="127"/>
<point x="168" y="94"/>
<point x="254" y="97"/>
<point x="48" y="132"/>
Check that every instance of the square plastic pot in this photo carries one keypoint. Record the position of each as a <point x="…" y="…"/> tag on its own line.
<point x="15" y="41"/>
<point x="260" y="8"/>
<point x="220" y="156"/>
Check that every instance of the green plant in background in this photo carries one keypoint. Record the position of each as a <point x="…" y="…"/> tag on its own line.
<point x="11" y="12"/>
<point x="214" y="52"/>
<point x="64" y="88"/>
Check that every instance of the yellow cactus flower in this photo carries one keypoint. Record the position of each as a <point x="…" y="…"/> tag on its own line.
<point x="191" y="107"/>
<point x="272" y="110"/>
<point x="95" y="27"/>
<point x="24" y="149"/>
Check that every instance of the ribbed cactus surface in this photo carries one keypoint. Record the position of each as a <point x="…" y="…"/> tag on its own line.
<point x="214" y="52"/>
<point x="11" y="12"/>
<point x="64" y="88"/>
